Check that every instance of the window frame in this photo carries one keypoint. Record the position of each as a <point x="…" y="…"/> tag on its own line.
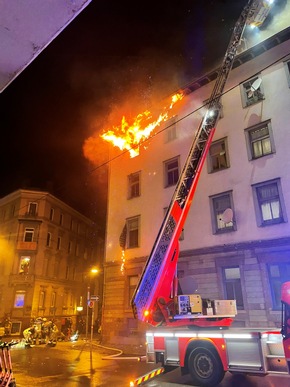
<point x="283" y="277"/>
<point x="32" y="208"/>
<point x="19" y="299"/>
<point x="134" y="188"/>
<point x="258" y="206"/>
<point x="131" y="287"/>
<point x="129" y="222"/>
<point x="215" y="227"/>
<point x="233" y="281"/>
<point x="244" y="90"/>
<point x="169" y="182"/>
<point x="28" y="231"/>
<point x="249" y="141"/>
<point x="210" y="162"/>
<point x="170" y="130"/>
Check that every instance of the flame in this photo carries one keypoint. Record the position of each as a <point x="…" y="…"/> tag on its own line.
<point x="130" y="135"/>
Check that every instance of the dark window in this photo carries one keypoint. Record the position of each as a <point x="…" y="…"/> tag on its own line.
<point x="28" y="235"/>
<point x="222" y="213"/>
<point x="252" y="91"/>
<point x="218" y="156"/>
<point x="171" y="168"/>
<point x="278" y="274"/>
<point x="260" y="140"/>
<point x="133" y="232"/>
<point x="233" y="287"/>
<point x="133" y="281"/>
<point x="51" y="214"/>
<point x="32" y="209"/>
<point x="134" y="185"/>
<point x="48" y="239"/>
<point x="269" y="203"/>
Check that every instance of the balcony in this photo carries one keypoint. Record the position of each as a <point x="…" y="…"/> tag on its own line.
<point x="21" y="279"/>
<point x="21" y="245"/>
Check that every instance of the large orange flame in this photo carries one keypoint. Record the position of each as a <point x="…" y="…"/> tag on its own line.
<point x="130" y="135"/>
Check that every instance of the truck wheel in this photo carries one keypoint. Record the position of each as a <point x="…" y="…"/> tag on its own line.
<point x="205" y="367"/>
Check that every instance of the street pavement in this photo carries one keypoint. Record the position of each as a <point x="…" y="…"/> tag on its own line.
<point x="85" y="363"/>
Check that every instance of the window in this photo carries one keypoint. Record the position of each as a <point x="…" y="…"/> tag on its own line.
<point x="268" y="202"/>
<point x="67" y="272"/>
<point x="233" y="287"/>
<point x="28" y="235"/>
<point x="278" y="274"/>
<point x="134" y="185"/>
<point x="287" y="68"/>
<point x="32" y="208"/>
<point x="77" y="250"/>
<point x="69" y="247"/>
<point x="58" y="246"/>
<point x="171" y="171"/>
<point x="133" y="281"/>
<point x="222" y="211"/>
<point x="41" y="299"/>
<point x="48" y="239"/>
<point x="19" y="299"/>
<point x="252" y="91"/>
<point x="53" y="300"/>
<point x="61" y="219"/>
<point x="51" y="214"/>
<point x="133" y="232"/>
<point x="170" y="130"/>
<point x="218" y="155"/>
<point x="259" y="140"/>
<point x="24" y="265"/>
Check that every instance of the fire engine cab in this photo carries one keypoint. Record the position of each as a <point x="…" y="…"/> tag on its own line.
<point x="190" y="332"/>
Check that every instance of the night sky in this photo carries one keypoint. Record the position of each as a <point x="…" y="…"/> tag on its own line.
<point x="114" y="55"/>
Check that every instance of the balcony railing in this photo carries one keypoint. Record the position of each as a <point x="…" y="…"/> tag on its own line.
<point x="18" y="279"/>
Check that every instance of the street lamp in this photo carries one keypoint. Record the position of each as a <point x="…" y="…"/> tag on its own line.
<point x="90" y="304"/>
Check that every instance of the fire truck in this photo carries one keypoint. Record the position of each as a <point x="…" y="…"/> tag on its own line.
<point x="190" y="332"/>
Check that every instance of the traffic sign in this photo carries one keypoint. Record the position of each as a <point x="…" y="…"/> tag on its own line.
<point x="91" y="304"/>
<point x="95" y="298"/>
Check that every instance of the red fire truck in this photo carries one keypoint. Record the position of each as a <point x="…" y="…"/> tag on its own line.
<point x="193" y="333"/>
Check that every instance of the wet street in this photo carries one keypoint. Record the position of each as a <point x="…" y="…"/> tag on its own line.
<point x="82" y="364"/>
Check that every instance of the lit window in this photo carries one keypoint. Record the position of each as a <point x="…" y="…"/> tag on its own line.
<point x="133" y="232"/>
<point x="24" y="265"/>
<point x="32" y="208"/>
<point x="222" y="213"/>
<point x="233" y="287"/>
<point x="252" y="91"/>
<point x="170" y="130"/>
<point x="269" y="204"/>
<point x="171" y="171"/>
<point x="134" y="185"/>
<point x="278" y="274"/>
<point x="19" y="299"/>
<point x="28" y="235"/>
<point x="218" y="155"/>
<point x="260" y="140"/>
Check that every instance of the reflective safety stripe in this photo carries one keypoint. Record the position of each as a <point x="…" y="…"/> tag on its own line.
<point x="148" y="376"/>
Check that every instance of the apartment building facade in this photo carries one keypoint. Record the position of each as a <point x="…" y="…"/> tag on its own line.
<point x="47" y="250"/>
<point x="236" y="240"/>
